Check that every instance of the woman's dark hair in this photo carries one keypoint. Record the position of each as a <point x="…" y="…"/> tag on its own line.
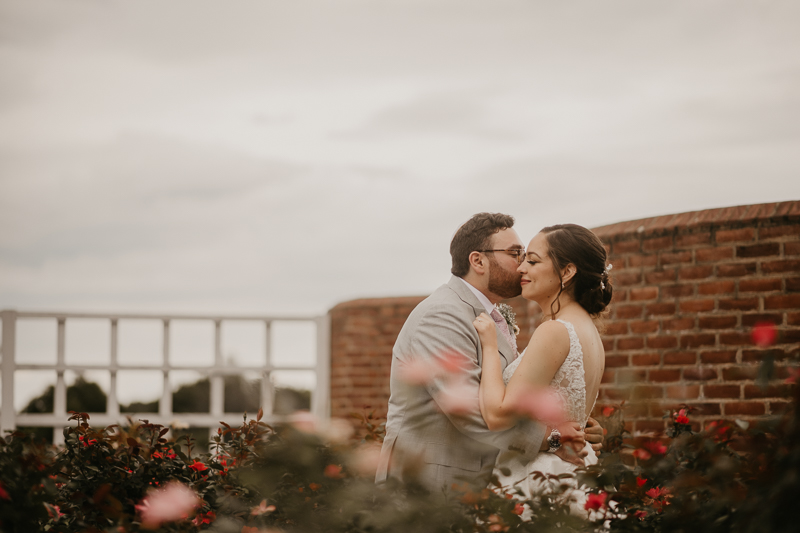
<point x="475" y="234"/>
<point x="591" y="285"/>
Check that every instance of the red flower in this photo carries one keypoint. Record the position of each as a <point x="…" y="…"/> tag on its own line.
<point x="333" y="472"/>
<point x="171" y="455"/>
<point x="596" y="501"/>
<point x="640" y="481"/>
<point x="518" y="509"/>
<point x="608" y="411"/>
<point x="682" y="420"/>
<point x="657" y="492"/>
<point x="640" y="514"/>
<point x="204" y="518"/>
<point x="197" y="466"/>
<point x="642" y="454"/>
<point x="157" y="455"/>
<point x="655" y="447"/>
<point x="3" y="493"/>
<point x="764" y="334"/>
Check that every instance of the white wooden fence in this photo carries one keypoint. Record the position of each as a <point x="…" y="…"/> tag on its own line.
<point x="216" y="373"/>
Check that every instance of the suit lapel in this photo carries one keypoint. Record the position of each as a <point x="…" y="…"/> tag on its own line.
<point x="466" y="295"/>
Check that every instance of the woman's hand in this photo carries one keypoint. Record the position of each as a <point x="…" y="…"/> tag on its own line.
<point x="487" y="331"/>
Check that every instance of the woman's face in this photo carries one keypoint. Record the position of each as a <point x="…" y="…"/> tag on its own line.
<point x="540" y="282"/>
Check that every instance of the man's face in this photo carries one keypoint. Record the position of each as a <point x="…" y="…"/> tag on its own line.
<point x="504" y="280"/>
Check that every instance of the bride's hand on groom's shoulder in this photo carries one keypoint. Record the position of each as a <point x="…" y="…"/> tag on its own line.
<point x="484" y="324"/>
<point x="595" y="435"/>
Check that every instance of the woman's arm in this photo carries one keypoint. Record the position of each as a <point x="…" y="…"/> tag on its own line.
<point x="492" y="388"/>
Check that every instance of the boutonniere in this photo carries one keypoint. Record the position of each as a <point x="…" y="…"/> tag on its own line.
<point x="507" y="312"/>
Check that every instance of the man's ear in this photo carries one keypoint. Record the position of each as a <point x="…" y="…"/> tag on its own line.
<point x="478" y="262"/>
<point x="568" y="273"/>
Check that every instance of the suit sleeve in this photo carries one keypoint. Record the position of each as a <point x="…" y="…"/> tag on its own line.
<point x="442" y="333"/>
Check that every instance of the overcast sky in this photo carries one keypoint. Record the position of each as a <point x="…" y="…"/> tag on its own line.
<point x="284" y="156"/>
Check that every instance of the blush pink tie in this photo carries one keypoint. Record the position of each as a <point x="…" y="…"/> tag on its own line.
<point x="503" y="325"/>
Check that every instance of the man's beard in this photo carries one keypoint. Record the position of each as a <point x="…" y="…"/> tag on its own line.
<point x="504" y="283"/>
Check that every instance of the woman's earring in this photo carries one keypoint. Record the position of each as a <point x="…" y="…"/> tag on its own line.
<point x="562" y="284"/>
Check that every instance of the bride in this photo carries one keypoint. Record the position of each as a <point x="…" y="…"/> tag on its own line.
<point x="564" y="272"/>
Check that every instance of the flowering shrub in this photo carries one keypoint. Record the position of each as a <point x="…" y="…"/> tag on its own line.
<point x="311" y="476"/>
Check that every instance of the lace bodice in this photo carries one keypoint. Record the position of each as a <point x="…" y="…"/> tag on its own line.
<point x="570" y="379"/>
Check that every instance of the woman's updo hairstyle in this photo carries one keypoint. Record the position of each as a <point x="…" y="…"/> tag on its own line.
<point x="590" y="286"/>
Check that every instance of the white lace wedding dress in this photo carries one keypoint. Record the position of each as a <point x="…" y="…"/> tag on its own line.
<point x="570" y="382"/>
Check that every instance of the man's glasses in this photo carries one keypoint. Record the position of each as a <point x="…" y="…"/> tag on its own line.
<point x="516" y="253"/>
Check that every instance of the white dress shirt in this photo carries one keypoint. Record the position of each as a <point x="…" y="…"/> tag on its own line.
<point x="489" y="306"/>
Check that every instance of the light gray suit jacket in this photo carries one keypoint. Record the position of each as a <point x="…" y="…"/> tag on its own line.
<point x="436" y="448"/>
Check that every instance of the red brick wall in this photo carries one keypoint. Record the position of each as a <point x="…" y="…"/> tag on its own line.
<point x="688" y="289"/>
<point x="362" y="335"/>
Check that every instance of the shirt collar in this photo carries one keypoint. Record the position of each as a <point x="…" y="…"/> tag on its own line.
<point x="489" y="306"/>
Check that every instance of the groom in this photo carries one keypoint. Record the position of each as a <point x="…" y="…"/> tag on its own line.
<point x="426" y="439"/>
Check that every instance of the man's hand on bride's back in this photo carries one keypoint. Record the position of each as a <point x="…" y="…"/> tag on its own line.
<point x="594" y="435"/>
<point x="573" y="443"/>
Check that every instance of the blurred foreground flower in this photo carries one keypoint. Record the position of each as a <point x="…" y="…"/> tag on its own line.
<point x="364" y="460"/>
<point x="656" y="447"/>
<point x="335" y="430"/>
<point x="458" y="399"/>
<point x="174" y="502"/>
<point x="262" y="508"/>
<point x="421" y="371"/>
<point x="545" y="405"/>
<point x="764" y="334"/>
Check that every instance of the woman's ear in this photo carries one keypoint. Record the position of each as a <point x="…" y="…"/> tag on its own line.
<point x="568" y="273"/>
<point x="478" y="262"/>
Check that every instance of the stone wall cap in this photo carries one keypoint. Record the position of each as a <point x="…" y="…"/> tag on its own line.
<point x="783" y="211"/>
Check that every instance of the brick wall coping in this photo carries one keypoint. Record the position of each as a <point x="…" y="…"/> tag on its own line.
<point x="379" y="302"/>
<point x="778" y="211"/>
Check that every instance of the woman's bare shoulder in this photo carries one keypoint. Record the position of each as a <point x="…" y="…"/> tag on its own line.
<point x="549" y="334"/>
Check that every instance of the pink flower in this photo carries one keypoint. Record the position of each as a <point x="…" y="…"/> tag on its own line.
<point x="544" y="405"/>
<point x="53" y="511"/>
<point x="262" y="508"/>
<point x="764" y="334"/>
<point x="518" y="509"/>
<point x="333" y="472"/>
<point x="197" y="466"/>
<point x="641" y="454"/>
<point x="640" y="514"/>
<point x="453" y="362"/>
<point x="173" y="502"/>
<point x="458" y="399"/>
<point x="364" y="460"/>
<point x="304" y="421"/>
<point x="595" y="501"/>
<point x="640" y="481"/>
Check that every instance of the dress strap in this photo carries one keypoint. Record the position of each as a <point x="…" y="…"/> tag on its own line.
<point x="573" y="336"/>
